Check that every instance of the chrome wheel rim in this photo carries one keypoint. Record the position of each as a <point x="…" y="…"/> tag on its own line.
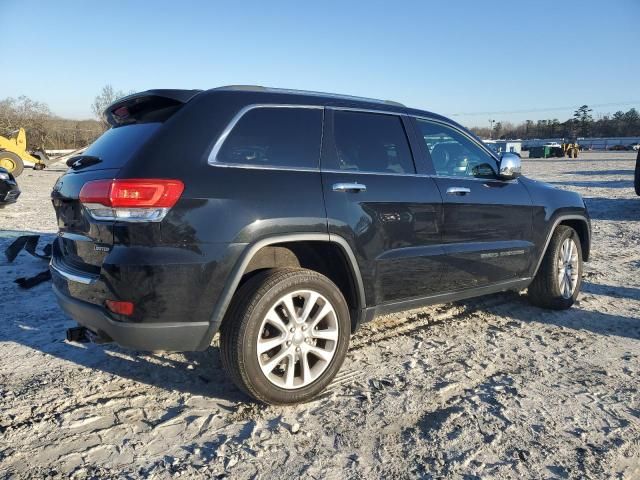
<point x="298" y="339"/>
<point x="568" y="268"/>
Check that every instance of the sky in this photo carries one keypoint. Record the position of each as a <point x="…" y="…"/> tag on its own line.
<point x="470" y="60"/>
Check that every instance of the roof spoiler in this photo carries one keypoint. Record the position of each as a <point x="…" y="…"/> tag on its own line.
<point x="145" y="106"/>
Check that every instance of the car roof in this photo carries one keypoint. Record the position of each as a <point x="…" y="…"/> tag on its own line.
<point x="260" y="94"/>
<point x="307" y="93"/>
<point x="283" y="95"/>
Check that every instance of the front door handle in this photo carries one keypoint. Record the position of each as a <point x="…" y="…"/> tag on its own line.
<point x="349" y="187"/>
<point x="458" y="190"/>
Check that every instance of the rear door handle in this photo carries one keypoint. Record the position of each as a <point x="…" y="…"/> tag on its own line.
<point x="458" y="190"/>
<point x="349" y="187"/>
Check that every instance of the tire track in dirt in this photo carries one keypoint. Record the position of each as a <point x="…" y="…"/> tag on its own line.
<point x="386" y="328"/>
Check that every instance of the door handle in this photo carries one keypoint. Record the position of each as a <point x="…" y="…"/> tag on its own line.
<point x="349" y="187"/>
<point x="458" y="190"/>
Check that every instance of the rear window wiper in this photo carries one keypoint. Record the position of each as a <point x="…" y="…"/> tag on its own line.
<point x="81" y="161"/>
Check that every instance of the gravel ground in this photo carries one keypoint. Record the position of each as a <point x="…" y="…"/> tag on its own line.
<point x="488" y="388"/>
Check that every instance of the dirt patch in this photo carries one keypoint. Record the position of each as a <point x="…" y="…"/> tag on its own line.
<point x="491" y="388"/>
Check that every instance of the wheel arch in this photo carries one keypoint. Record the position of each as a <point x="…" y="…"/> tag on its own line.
<point x="582" y="227"/>
<point x="288" y="250"/>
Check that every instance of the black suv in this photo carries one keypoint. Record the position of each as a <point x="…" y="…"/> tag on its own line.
<point x="285" y="219"/>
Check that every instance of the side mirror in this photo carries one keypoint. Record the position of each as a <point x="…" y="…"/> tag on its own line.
<point x="510" y="166"/>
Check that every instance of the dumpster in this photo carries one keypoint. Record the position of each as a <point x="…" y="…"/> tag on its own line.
<point x="545" y="151"/>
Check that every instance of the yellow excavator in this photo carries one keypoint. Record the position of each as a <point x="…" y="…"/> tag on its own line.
<point x="14" y="154"/>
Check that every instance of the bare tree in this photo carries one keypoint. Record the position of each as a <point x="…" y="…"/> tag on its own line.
<point x="45" y="130"/>
<point x="105" y="98"/>
<point x="22" y="112"/>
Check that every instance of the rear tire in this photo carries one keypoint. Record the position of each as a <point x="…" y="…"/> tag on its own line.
<point x="12" y="162"/>
<point x="557" y="283"/>
<point x="279" y="357"/>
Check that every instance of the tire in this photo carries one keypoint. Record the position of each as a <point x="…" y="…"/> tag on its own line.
<point x="257" y="316"/>
<point x="12" y="162"/>
<point x="546" y="290"/>
<point x="636" y="177"/>
<point x="42" y="156"/>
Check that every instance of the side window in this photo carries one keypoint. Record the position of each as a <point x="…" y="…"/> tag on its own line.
<point x="371" y="142"/>
<point x="454" y="154"/>
<point x="275" y="137"/>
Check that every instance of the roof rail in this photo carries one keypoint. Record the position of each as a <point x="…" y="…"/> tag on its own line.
<point x="260" y="88"/>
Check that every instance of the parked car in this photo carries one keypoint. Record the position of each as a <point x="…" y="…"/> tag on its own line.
<point x="9" y="190"/>
<point x="285" y="219"/>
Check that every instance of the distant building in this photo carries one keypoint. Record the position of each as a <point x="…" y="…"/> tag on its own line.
<point x="501" y="146"/>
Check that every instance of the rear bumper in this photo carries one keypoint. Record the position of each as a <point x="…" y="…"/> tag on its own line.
<point x="183" y="336"/>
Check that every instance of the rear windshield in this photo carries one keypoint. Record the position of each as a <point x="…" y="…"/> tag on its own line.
<point x="117" y="145"/>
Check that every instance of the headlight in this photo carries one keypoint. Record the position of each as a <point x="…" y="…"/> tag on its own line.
<point x="4" y="176"/>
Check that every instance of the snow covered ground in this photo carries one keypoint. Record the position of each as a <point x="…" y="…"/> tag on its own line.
<point x="488" y="388"/>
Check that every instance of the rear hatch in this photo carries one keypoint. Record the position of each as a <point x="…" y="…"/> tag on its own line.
<point x="84" y="241"/>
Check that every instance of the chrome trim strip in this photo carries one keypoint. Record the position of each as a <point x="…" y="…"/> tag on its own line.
<point x="357" y="172"/>
<point x="266" y="167"/>
<point x="212" y="160"/>
<point x="367" y="110"/>
<point x="364" y="172"/>
<point x="477" y="179"/>
<point x="73" y="277"/>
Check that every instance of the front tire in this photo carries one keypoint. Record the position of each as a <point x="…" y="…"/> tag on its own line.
<point x="285" y="335"/>
<point x="11" y="162"/>
<point x="557" y="283"/>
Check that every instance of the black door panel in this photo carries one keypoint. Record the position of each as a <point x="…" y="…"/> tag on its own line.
<point x="487" y="222"/>
<point x="394" y="230"/>
<point x="394" y="223"/>
<point x="486" y="232"/>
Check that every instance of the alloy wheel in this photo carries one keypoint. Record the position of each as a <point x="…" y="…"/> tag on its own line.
<point x="298" y="339"/>
<point x="568" y="268"/>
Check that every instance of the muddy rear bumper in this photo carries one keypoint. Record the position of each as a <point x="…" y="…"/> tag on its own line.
<point x="183" y="336"/>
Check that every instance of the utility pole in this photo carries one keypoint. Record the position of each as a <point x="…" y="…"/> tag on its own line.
<point x="491" y="122"/>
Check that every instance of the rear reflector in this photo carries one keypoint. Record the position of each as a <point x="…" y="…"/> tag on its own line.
<point x="121" y="308"/>
<point x="134" y="200"/>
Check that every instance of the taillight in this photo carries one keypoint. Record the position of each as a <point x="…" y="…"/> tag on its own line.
<point x="133" y="200"/>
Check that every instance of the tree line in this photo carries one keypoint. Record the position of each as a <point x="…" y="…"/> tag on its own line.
<point x="48" y="131"/>
<point x="582" y="124"/>
<point x="44" y="129"/>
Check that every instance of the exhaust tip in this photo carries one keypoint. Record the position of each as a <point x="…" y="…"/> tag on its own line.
<point x="77" y="334"/>
<point x="84" y="335"/>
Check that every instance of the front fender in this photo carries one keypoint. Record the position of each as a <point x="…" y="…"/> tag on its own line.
<point x="553" y="207"/>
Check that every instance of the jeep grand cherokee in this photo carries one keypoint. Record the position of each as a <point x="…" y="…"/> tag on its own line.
<point x="284" y="219"/>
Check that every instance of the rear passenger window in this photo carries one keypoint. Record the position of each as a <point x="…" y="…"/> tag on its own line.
<point x="275" y="137"/>
<point x="371" y="142"/>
